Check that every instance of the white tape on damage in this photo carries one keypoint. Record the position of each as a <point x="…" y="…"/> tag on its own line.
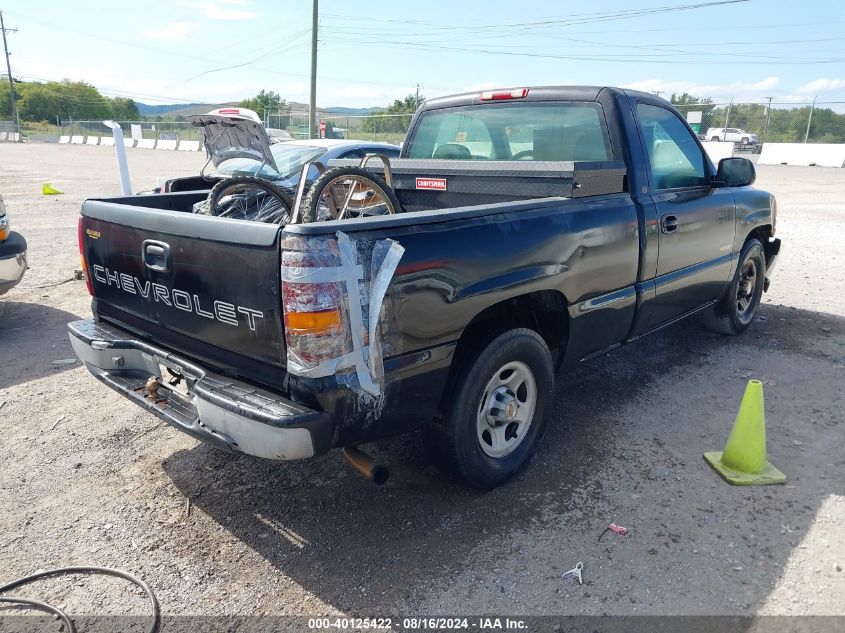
<point x="378" y="289"/>
<point x="366" y="359"/>
<point x="356" y="318"/>
<point x="299" y="274"/>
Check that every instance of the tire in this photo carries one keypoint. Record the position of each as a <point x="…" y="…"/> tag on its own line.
<point x="462" y="448"/>
<point x="743" y="141"/>
<point x="310" y="207"/>
<point x="715" y="138"/>
<point x="246" y="183"/>
<point x="737" y="308"/>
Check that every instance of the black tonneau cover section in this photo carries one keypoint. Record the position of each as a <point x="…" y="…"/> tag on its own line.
<point x="423" y="184"/>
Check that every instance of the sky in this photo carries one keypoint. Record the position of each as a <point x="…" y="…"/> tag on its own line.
<point x="372" y="52"/>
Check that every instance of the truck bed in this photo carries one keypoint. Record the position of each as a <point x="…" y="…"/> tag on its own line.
<point x="219" y="299"/>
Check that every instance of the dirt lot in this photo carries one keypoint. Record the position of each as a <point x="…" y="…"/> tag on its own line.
<point x="88" y="478"/>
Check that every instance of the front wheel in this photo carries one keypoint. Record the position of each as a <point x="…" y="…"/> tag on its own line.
<point x="496" y="412"/>
<point x="737" y="308"/>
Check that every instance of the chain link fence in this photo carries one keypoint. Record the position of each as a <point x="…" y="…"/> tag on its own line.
<point x="772" y="123"/>
<point x="822" y="122"/>
<point x="387" y="128"/>
<point x="162" y="130"/>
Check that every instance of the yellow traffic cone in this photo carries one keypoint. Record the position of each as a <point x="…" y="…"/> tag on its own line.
<point x="48" y="189"/>
<point x="743" y="462"/>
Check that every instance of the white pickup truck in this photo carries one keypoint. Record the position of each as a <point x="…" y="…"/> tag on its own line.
<point x="731" y="134"/>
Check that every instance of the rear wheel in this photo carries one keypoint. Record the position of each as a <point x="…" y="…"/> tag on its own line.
<point x="737" y="308"/>
<point x="348" y="192"/>
<point x="495" y="415"/>
<point x="715" y="138"/>
<point x="249" y="198"/>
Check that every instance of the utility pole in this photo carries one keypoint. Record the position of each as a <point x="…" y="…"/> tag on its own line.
<point x="312" y="106"/>
<point x="810" y="118"/>
<point x="768" y="110"/>
<point x="727" y="118"/>
<point x="9" y="70"/>
<point x="417" y="98"/>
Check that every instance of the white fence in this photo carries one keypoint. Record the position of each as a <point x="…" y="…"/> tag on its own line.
<point x="809" y="154"/>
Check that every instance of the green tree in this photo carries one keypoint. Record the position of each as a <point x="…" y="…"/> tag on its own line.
<point x="125" y="109"/>
<point x="388" y="121"/>
<point x="264" y="100"/>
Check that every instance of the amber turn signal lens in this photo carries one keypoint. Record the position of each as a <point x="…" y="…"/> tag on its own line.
<point x="321" y="322"/>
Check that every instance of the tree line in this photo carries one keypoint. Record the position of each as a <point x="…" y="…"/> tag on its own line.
<point x="37" y="101"/>
<point x="770" y="124"/>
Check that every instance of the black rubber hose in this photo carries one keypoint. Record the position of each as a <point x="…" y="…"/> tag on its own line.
<point x="105" y="571"/>
<point x="43" y="606"/>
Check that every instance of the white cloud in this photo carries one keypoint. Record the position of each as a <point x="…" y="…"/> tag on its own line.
<point x="821" y="85"/>
<point x="724" y="92"/>
<point x="214" y="11"/>
<point x="767" y="84"/>
<point x="173" y="31"/>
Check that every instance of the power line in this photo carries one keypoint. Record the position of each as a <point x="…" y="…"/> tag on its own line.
<point x="275" y="50"/>
<point x="169" y="53"/>
<point x="667" y="59"/>
<point x="584" y="18"/>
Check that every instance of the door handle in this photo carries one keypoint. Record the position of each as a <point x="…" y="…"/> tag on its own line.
<point x="669" y="224"/>
<point x="156" y="255"/>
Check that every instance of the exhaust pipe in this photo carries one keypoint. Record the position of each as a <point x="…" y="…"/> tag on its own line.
<point x="366" y="465"/>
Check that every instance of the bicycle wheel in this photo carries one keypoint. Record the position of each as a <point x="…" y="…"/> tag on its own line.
<point x="250" y="198"/>
<point x="349" y="192"/>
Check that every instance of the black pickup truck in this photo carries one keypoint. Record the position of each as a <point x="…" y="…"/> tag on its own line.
<point x="540" y="227"/>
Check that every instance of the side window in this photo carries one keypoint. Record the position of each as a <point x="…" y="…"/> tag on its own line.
<point x="676" y="159"/>
<point x="353" y="153"/>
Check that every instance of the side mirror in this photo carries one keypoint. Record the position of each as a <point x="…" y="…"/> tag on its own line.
<point x="736" y="172"/>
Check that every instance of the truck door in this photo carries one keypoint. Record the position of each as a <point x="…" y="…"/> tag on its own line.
<point x="696" y="219"/>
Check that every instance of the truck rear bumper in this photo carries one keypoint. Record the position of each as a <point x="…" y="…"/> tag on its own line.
<point x="221" y="411"/>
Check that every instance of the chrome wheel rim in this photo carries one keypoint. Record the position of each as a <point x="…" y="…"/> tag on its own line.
<point x="506" y="409"/>
<point x="746" y="289"/>
<point x="353" y="197"/>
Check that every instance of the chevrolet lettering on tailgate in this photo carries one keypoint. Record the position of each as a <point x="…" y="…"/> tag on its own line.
<point x="222" y="311"/>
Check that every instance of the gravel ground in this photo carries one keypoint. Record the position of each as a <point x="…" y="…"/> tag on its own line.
<point x="90" y="479"/>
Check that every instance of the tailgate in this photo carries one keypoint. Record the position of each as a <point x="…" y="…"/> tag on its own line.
<point x="214" y="282"/>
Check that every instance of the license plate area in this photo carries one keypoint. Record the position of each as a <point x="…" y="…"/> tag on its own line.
<point x="174" y="380"/>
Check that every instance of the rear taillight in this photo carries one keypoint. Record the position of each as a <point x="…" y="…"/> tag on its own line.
<point x="315" y="327"/>
<point x="80" y="236"/>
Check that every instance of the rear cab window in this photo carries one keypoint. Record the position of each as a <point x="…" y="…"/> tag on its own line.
<point x="560" y="131"/>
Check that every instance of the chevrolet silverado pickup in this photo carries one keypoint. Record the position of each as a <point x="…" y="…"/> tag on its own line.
<point x="539" y="227"/>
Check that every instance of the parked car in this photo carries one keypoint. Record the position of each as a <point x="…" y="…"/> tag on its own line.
<point x="12" y="253"/>
<point x="732" y="135"/>
<point x="539" y="227"/>
<point x="279" y="162"/>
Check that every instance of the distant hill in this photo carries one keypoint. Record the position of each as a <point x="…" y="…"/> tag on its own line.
<point x="145" y="109"/>
<point x="186" y="109"/>
<point x="351" y="111"/>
